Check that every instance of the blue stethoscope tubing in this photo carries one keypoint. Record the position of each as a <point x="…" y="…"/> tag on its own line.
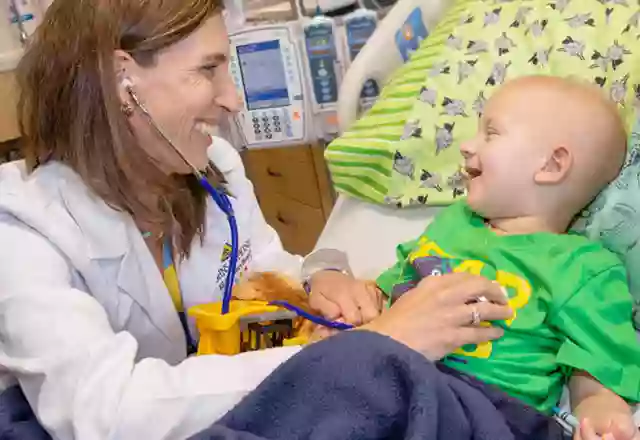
<point x="313" y="318"/>
<point x="223" y="202"/>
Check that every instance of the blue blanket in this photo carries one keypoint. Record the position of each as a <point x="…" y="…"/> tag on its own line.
<point x="17" y="421"/>
<point x="357" y="385"/>
<point x="360" y="385"/>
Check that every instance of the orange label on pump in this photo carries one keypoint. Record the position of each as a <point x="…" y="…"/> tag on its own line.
<point x="332" y="119"/>
<point x="296" y="116"/>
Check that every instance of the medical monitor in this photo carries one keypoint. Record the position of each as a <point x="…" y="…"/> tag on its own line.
<point x="263" y="74"/>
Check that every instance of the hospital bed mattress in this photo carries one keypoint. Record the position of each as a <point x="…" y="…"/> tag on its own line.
<point x="369" y="233"/>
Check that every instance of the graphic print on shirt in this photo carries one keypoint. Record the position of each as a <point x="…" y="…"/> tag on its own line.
<point x="226" y="252"/>
<point x="242" y="266"/>
<point x="428" y="259"/>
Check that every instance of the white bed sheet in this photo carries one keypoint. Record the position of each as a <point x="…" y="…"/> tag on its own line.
<point x="369" y="233"/>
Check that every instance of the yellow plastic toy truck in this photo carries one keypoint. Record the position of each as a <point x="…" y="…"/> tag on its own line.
<point x="249" y="326"/>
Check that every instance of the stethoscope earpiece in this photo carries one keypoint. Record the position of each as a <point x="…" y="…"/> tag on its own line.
<point x="127" y="83"/>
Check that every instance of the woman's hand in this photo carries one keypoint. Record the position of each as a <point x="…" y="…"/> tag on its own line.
<point x="339" y="296"/>
<point x="436" y="318"/>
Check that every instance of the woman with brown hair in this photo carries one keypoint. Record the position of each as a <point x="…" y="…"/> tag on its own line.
<point x="92" y="305"/>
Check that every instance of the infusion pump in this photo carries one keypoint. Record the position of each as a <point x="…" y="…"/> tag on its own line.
<point x="287" y="78"/>
<point x="267" y="68"/>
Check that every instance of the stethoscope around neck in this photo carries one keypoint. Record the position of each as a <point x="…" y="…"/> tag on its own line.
<point x="223" y="202"/>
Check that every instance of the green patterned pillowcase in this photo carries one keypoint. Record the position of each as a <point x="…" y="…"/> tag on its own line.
<point x="405" y="151"/>
<point x="361" y="160"/>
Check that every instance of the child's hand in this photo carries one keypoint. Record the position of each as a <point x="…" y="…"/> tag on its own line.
<point x="602" y="413"/>
<point x="337" y="295"/>
<point x="610" y="427"/>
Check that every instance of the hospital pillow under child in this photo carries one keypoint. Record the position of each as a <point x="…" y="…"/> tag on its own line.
<point x="614" y="218"/>
<point x="405" y="151"/>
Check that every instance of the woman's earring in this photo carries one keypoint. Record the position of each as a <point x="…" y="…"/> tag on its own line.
<point x="126" y="109"/>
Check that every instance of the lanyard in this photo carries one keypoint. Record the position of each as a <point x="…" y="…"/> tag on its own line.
<point x="170" y="275"/>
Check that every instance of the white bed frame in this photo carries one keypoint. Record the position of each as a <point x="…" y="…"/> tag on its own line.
<point x="367" y="64"/>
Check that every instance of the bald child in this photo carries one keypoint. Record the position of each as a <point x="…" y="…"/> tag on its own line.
<point x="545" y="147"/>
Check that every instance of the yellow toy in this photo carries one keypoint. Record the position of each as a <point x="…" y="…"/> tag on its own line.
<point x="253" y="323"/>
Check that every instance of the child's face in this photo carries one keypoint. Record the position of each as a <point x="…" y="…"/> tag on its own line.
<point x="502" y="158"/>
<point x="544" y="146"/>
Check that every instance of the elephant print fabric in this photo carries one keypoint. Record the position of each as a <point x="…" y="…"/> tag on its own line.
<point x="494" y="41"/>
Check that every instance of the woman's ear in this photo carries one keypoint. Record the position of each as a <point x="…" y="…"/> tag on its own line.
<point x="125" y="69"/>
<point x="556" y="168"/>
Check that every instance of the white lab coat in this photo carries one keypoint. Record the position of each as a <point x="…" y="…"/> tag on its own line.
<point x="87" y="326"/>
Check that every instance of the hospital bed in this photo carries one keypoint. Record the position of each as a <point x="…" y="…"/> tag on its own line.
<point x="364" y="221"/>
<point x="367" y="232"/>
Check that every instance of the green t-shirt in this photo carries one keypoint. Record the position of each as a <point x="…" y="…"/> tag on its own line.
<point x="570" y="296"/>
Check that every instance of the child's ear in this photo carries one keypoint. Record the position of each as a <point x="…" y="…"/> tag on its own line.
<point x="556" y="168"/>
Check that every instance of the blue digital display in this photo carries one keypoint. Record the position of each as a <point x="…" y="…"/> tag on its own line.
<point x="263" y="75"/>
<point x="358" y="32"/>
<point x="319" y="41"/>
<point x="322" y="57"/>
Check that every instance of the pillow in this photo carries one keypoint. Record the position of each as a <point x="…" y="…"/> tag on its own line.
<point x="361" y="159"/>
<point x="614" y="218"/>
<point x="404" y="156"/>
